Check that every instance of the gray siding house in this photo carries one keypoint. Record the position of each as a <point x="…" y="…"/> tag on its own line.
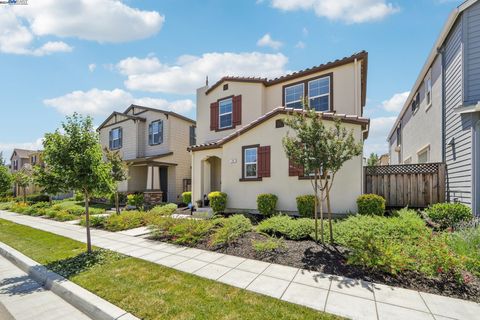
<point x="440" y="121"/>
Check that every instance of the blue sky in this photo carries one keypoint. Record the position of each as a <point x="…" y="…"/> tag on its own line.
<point x="93" y="57"/>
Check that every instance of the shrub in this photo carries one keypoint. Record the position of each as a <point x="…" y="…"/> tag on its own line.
<point x="466" y="242"/>
<point x="79" y="196"/>
<point x="187" y="197"/>
<point x="183" y="231"/>
<point x="6" y="205"/>
<point x="38" y="198"/>
<point x="218" y="201"/>
<point x="230" y="229"/>
<point x="270" y="245"/>
<point x="64" y="216"/>
<point x="95" y="221"/>
<point x="306" y="205"/>
<point x="166" y="209"/>
<point x="135" y="200"/>
<point x="266" y="203"/>
<point x="19" y="207"/>
<point x="371" y="204"/>
<point x="122" y="198"/>
<point x="126" y="220"/>
<point x="293" y="229"/>
<point x="449" y="214"/>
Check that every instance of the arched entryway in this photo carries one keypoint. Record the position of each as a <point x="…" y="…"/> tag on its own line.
<point x="211" y="175"/>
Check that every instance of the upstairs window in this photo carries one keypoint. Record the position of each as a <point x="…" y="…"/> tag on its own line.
<point x="399" y="135"/>
<point x="250" y="162"/>
<point x="15" y="164"/>
<point x="416" y="102"/>
<point x="294" y="95"/>
<point x="428" y="91"/>
<point x="193" y="136"/>
<point x="225" y="113"/>
<point x="319" y="94"/>
<point x="155" y="132"/>
<point x="115" y="141"/>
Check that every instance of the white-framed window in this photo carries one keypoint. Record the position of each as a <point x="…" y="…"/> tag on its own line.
<point x="115" y="138"/>
<point x="319" y="94"/>
<point x="424" y="155"/>
<point x="155" y="132"/>
<point x="225" y="113"/>
<point x="408" y="160"/>
<point x="428" y="90"/>
<point x="293" y="96"/>
<point x="250" y="162"/>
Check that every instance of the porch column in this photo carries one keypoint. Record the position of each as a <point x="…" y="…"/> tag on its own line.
<point x="150" y="178"/>
<point x="156" y="178"/>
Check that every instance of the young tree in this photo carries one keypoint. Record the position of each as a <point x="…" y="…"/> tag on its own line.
<point x="75" y="157"/>
<point x="119" y="172"/>
<point x="321" y="151"/>
<point x="50" y="183"/>
<point x="373" y="159"/>
<point x="22" y="179"/>
<point x="5" y="180"/>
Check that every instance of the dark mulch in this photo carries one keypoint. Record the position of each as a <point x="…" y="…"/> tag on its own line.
<point x="332" y="259"/>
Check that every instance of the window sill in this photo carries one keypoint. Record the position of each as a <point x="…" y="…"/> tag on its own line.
<point x="249" y="179"/>
<point x="155" y="144"/>
<point x="113" y="149"/>
<point x="224" y="129"/>
<point x="428" y="107"/>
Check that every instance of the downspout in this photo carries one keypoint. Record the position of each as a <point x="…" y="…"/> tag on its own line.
<point x="362" y="176"/>
<point x="355" y="89"/>
<point x="441" y="51"/>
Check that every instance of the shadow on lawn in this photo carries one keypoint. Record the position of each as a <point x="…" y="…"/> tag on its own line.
<point x="83" y="262"/>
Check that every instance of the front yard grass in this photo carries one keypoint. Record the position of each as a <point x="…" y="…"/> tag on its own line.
<point x="147" y="290"/>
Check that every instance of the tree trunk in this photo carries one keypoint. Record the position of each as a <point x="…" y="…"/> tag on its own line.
<point x="117" y="205"/>
<point x="24" y="189"/>
<point x="321" y="216"/>
<point x="87" y="224"/>
<point x="50" y="200"/>
<point x="316" y="210"/>
<point x="329" y="208"/>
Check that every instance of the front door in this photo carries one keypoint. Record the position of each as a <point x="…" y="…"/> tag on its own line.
<point x="164" y="183"/>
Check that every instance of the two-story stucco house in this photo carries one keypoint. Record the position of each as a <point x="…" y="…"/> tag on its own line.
<point x="25" y="159"/>
<point x="240" y="131"/>
<point x="440" y="121"/>
<point x="154" y="144"/>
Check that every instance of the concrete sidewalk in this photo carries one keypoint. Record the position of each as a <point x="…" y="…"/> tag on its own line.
<point x="21" y="297"/>
<point x="346" y="297"/>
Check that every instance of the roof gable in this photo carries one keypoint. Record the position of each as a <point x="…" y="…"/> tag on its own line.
<point x="133" y="107"/>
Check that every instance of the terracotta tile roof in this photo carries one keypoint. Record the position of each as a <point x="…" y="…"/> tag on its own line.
<point x="279" y="110"/>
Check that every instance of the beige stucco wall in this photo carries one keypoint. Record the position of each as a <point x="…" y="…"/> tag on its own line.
<point x="422" y="129"/>
<point x="129" y="150"/>
<point x="243" y="195"/>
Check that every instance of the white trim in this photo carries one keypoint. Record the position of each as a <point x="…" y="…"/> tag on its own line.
<point x="295" y="101"/>
<point x="468" y="109"/>
<point x="424" y="149"/>
<point x="321" y="95"/>
<point x="247" y="163"/>
<point x="408" y="160"/>
<point x="428" y="89"/>
<point x="224" y="114"/>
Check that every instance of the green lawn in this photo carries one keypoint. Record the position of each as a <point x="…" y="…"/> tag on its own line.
<point x="145" y="289"/>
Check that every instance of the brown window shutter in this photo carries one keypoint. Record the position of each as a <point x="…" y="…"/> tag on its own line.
<point x="237" y="110"/>
<point x="263" y="162"/>
<point x="294" y="170"/>
<point x="214" y="116"/>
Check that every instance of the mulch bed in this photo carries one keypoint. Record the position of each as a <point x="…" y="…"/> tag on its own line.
<point x="332" y="260"/>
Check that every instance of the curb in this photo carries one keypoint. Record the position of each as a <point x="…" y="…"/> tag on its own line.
<point x="82" y="299"/>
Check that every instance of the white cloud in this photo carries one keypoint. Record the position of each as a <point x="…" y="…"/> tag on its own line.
<point x="267" y="41"/>
<point x="349" y="11"/>
<point x="377" y="137"/>
<point x="300" y="45"/>
<point x="96" y="20"/>
<point x="92" y="67"/>
<point x="396" y="102"/>
<point x="189" y="72"/>
<point x="305" y="31"/>
<point x="96" y="102"/>
<point x="7" y="147"/>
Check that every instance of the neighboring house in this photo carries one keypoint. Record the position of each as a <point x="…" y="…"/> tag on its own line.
<point x="154" y="145"/>
<point x="240" y="131"/>
<point x="384" y="160"/>
<point x="440" y="121"/>
<point x="25" y="159"/>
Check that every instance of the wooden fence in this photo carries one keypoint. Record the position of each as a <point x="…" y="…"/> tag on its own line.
<point x="412" y="185"/>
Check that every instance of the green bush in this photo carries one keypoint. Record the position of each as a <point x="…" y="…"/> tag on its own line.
<point x="135" y="200"/>
<point x="6" y="205"/>
<point x="218" y="201"/>
<point x="126" y="220"/>
<point x="371" y="204"/>
<point x="266" y="203"/>
<point x="79" y="196"/>
<point x="95" y="221"/>
<point x="306" y="205"/>
<point x="230" y="229"/>
<point x="182" y="231"/>
<point x="447" y="215"/>
<point x="270" y="245"/>
<point x="187" y="197"/>
<point x="285" y="226"/>
<point x="34" y="198"/>
<point x="164" y="210"/>
<point x="466" y="243"/>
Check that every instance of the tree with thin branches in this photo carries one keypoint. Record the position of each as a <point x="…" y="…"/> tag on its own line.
<point x="119" y="172"/>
